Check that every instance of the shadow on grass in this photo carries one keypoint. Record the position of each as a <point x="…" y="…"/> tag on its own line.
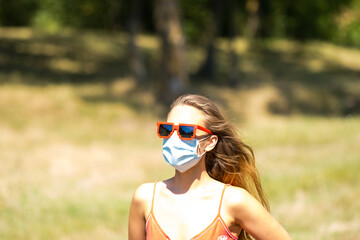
<point x="308" y="82"/>
<point x="56" y="60"/>
<point x="313" y="84"/>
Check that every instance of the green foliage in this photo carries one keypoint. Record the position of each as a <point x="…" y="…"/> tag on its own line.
<point x="197" y="19"/>
<point x="78" y="13"/>
<point x="348" y="23"/>
<point x="330" y="20"/>
<point x="47" y="17"/>
<point x="350" y="35"/>
<point x="307" y="19"/>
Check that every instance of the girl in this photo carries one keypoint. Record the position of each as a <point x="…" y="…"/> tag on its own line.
<point x="216" y="191"/>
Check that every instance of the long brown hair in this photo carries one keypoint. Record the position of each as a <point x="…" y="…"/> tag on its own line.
<point x="231" y="161"/>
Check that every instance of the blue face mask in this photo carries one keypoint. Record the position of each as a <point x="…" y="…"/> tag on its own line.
<point x="182" y="154"/>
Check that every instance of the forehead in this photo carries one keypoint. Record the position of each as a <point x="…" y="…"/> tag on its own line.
<point x="186" y="114"/>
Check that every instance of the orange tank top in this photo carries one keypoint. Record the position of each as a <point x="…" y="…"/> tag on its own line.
<point x="217" y="230"/>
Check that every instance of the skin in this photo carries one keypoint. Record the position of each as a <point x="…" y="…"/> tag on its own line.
<point x="193" y="197"/>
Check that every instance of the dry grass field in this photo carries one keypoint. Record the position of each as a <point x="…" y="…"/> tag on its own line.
<point x="77" y="138"/>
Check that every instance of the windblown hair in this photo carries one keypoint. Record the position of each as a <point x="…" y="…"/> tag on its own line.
<point x="231" y="161"/>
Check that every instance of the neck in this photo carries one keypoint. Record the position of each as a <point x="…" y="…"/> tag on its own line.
<point x="191" y="179"/>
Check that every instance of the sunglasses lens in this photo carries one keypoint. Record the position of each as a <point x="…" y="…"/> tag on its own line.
<point x="165" y="130"/>
<point x="186" y="131"/>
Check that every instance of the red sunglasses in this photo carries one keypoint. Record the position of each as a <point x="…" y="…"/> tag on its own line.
<point x="184" y="131"/>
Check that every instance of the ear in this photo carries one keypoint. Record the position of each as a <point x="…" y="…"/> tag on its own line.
<point x="211" y="143"/>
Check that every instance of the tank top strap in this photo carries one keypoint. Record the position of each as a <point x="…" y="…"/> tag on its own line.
<point x="221" y="199"/>
<point x="153" y="198"/>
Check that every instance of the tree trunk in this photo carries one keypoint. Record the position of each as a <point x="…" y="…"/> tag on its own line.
<point x="136" y="61"/>
<point x="208" y="68"/>
<point x="252" y="25"/>
<point x="233" y="56"/>
<point x="173" y="74"/>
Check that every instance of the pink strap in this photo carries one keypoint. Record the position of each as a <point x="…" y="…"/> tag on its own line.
<point x="152" y="202"/>
<point x="221" y="199"/>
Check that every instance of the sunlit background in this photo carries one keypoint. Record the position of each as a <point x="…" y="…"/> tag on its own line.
<point x="83" y="83"/>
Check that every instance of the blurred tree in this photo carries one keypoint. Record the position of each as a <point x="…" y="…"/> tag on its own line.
<point x="202" y="23"/>
<point x="222" y="26"/>
<point x="233" y="56"/>
<point x="173" y="73"/>
<point x="196" y="16"/>
<point x="252" y="22"/>
<point x="348" y="22"/>
<point x="273" y="18"/>
<point x="301" y="20"/>
<point x="136" y="61"/>
<point x="17" y="12"/>
<point x="208" y="68"/>
<point x="307" y="19"/>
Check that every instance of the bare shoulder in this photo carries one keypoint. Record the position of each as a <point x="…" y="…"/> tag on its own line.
<point x="237" y="195"/>
<point x="144" y="191"/>
<point x="237" y="198"/>
<point x="143" y="196"/>
<point x="139" y="209"/>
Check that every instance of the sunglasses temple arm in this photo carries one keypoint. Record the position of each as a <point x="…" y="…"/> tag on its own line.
<point x="205" y="130"/>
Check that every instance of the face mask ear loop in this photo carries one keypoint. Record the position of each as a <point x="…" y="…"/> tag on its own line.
<point x="198" y="147"/>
